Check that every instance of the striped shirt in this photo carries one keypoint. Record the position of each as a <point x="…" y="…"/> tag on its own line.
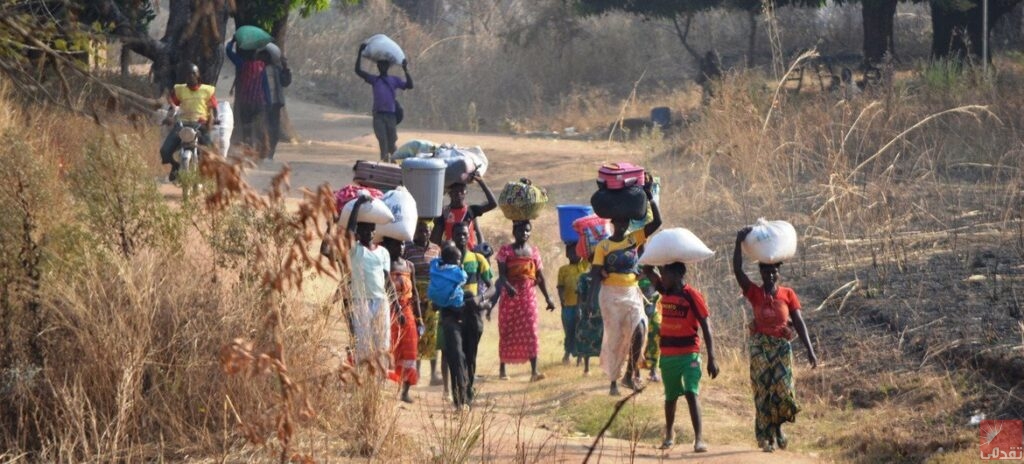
<point x="420" y="257"/>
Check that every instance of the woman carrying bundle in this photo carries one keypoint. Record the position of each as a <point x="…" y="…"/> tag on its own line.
<point x="615" y="264"/>
<point x="776" y="316"/>
<point x="519" y="270"/>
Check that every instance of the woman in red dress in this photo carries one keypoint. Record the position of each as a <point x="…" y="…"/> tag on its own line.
<point x="520" y="269"/>
<point x="406" y="323"/>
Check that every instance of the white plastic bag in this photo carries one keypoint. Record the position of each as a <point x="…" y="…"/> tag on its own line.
<point x="770" y="242"/>
<point x="373" y="211"/>
<point x="221" y="133"/>
<point x="403" y="208"/>
<point x="475" y="154"/>
<point x="380" y="47"/>
<point x="479" y="158"/>
<point x="674" y="245"/>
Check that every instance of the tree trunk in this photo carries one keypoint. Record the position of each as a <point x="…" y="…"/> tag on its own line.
<point x="957" y="33"/>
<point x="126" y="61"/>
<point x="878" y="17"/>
<point x="195" y="34"/>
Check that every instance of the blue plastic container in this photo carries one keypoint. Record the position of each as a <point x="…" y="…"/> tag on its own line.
<point x="661" y="116"/>
<point x="566" y="215"/>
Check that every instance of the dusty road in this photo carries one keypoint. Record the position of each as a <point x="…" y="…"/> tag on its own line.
<point x="333" y="139"/>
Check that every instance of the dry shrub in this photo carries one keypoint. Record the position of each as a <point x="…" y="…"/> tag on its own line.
<point x="131" y="342"/>
<point x="114" y="308"/>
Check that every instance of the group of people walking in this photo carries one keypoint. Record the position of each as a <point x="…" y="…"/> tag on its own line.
<point x="445" y="289"/>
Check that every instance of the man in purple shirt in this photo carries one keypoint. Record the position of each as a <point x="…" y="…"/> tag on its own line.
<point x="385" y="107"/>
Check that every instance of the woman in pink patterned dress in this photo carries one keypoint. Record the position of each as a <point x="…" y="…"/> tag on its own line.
<point x="520" y="269"/>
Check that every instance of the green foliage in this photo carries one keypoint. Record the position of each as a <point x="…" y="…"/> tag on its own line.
<point x="121" y="204"/>
<point x="265" y="14"/>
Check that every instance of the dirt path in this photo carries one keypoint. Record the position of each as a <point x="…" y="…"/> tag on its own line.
<point x="519" y="421"/>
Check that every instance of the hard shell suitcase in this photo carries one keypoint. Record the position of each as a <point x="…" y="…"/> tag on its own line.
<point x="376" y="174"/>
<point x="617" y="176"/>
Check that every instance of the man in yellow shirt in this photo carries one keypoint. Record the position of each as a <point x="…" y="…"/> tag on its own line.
<point x="568" y="280"/>
<point x="196" y="107"/>
<point x="616" y="264"/>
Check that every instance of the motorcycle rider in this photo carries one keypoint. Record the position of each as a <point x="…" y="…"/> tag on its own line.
<point x="197" y="107"/>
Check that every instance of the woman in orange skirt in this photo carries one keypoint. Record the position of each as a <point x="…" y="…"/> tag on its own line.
<point x="406" y="324"/>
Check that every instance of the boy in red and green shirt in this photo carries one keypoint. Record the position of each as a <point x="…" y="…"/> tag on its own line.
<point x="683" y="312"/>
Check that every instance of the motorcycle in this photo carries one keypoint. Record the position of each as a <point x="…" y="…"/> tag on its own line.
<point x="188" y="151"/>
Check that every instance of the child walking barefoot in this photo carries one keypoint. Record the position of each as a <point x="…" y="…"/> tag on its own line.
<point x="683" y="312"/>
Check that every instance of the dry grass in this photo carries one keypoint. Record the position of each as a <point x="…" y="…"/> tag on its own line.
<point x="116" y="305"/>
<point x="907" y="192"/>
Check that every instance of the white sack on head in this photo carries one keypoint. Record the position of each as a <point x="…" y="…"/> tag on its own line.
<point x="770" y="242"/>
<point x="403" y="207"/>
<point x="674" y="245"/>
<point x="380" y="47"/>
<point x="373" y="211"/>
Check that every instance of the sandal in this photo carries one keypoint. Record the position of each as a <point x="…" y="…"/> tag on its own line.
<point x="700" y="447"/>
<point x="668" y="443"/>
<point x="537" y="376"/>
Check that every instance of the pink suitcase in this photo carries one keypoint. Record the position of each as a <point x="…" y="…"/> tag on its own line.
<point x="617" y="176"/>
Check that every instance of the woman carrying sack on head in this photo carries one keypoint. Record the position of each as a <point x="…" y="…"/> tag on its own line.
<point x="776" y="317"/>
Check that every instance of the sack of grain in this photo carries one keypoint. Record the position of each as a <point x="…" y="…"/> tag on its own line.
<point x="373" y="211"/>
<point x="403" y="208"/>
<point x="251" y="38"/>
<point x="674" y="245"/>
<point x="770" y="242"/>
<point x="380" y="47"/>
